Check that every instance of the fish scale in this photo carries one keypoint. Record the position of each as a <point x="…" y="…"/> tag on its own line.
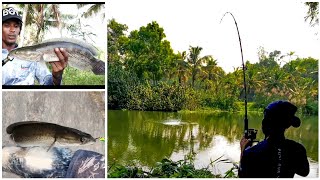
<point x="81" y="54"/>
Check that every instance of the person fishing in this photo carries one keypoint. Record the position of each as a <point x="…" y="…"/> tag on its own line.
<point x="275" y="156"/>
<point x="19" y="71"/>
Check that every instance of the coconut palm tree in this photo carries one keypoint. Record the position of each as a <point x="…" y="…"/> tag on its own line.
<point x="92" y="9"/>
<point x="182" y="68"/>
<point x="196" y="62"/>
<point x="43" y="16"/>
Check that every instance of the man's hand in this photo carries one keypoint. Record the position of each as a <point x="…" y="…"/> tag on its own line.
<point x="244" y="143"/>
<point x="58" y="66"/>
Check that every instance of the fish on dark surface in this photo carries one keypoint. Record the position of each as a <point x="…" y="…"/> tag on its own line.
<point x="36" y="162"/>
<point x="35" y="133"/>
<point x="81" y="55"/>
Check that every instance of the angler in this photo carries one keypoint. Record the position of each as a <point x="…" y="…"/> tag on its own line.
<point x="34" y="133"/>
<point x="275" y="156"/>
<point x="19" y="71"/>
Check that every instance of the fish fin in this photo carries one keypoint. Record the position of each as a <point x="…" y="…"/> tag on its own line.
<point x="98" y="67"/>
<point x="13" y="125"/>
<point x="55" y="139"/>
<point x="12" y="137"/>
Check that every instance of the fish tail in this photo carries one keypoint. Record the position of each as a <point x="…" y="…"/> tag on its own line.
<point x="6" y="60"/>
<point x="98" y="67"/>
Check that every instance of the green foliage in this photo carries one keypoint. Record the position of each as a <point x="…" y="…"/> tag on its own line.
<point x="162" y="97"/>
<point x="116" y="40"/>
<point x="149" y="76"/>
<point x="165" y="169"/>
<point x="120" y="83"/>
<point x="120" y="171"/>
<point x="313" y="13"/>
<point x="72" y="76"/>
<point x="147" y="53"/>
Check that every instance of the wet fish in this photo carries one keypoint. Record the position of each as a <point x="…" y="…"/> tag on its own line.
<point x="35" y="133"/>
<point x="36" y="162"/>
<point x="81" y="54"/>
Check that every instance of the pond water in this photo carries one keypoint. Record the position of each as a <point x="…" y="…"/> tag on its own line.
<point x="148" y="137"/>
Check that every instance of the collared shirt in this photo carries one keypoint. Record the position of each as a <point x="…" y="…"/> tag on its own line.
<point x="21" y="72"/>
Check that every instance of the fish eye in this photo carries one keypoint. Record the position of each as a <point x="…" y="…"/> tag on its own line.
<point x="83" y="139"/>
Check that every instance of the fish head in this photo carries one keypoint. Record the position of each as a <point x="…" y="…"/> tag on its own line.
<point x="75" y="139"/>
<point x="87" y="139"/>
<point x="25" y="53"/>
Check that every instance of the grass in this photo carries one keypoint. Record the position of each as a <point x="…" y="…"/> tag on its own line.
<point x="168" y="169"/>
<point x="72" y="76"/>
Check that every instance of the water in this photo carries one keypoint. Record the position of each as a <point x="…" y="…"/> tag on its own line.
<point x="148" y="137"/>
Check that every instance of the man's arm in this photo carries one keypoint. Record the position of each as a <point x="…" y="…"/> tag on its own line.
<point x="302" y="162"/>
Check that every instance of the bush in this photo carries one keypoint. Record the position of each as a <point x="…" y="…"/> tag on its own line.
<point x="165" y="169"/>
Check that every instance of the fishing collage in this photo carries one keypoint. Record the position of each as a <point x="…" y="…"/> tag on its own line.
<point x="53" y="90"/>
<point x="191" y="90"/>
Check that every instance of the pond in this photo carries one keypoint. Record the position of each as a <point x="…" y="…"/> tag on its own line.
<point x="148" y="137"/>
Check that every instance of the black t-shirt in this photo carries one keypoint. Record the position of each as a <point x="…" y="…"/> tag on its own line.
<point x="274" y="159"/>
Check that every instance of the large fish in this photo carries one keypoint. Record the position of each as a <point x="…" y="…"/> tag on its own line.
<point x="81" y="54"/>
<point x="34" y="133"/>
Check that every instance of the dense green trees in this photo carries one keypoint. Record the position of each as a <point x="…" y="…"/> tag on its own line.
<point x="145" y="74"/>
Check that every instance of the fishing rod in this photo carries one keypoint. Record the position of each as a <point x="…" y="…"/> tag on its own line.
<point x="248" y="133"/>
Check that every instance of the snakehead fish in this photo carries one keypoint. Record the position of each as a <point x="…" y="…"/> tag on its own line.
<point x="81" y="55"/>
<point x="35" y="133"/>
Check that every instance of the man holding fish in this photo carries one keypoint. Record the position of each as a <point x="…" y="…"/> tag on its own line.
<point x="21" y="72"/>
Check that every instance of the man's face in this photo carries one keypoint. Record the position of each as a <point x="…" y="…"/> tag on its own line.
<point x="10" y="31"/>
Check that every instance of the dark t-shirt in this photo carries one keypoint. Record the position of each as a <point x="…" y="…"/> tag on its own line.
<point x="274" y="159"/>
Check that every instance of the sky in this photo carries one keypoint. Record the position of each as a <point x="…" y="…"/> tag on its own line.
<point x="96" y="24"/>
<point x="272" y="25"/>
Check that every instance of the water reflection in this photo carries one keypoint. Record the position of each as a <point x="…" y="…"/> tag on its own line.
<point x="149" y="137"/>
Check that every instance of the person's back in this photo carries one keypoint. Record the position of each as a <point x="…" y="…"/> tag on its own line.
<point x="275" y="156"/>
<point x="270" y="159"/>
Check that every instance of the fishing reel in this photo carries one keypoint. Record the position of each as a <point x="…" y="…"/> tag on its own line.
<point x="251" y="134"/>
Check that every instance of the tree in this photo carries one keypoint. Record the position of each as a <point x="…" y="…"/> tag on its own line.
<point x="195" y="61"/>
<point x="116" y="40"/>
<point x="313" y="13"/>
<point x="148" y="54"/>
<point x="180" y="68"/>
<point x="41" y="17"/>
<point x="92" y="9"/>
<point x="211" y="74"/>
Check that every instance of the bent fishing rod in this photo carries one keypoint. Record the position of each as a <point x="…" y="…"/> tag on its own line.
<point x="248" y="133"/>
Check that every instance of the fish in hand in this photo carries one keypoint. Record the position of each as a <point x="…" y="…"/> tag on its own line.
<point x="81" y="55"/>
<point x="35" y="133"/>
